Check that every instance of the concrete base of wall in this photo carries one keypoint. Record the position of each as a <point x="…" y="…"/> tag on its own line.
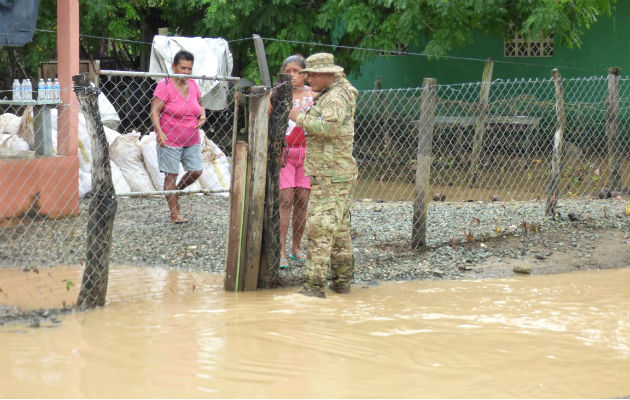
<point x="35" y="188"/>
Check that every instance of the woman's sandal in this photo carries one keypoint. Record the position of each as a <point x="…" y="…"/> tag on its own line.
<point x="284" y="263"/>
<point x="299" y="257"/>
<point x="180" y="219"/>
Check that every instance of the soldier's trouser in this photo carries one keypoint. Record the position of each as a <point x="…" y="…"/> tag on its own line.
<point x="328" y="232"/>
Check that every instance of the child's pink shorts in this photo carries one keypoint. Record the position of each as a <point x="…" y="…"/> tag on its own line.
<point x="292" y="174"/>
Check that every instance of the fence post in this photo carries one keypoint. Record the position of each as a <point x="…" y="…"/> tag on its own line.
<point x="612" y="129"/>
<point x="480" y="123"/>
<point x="556" y="160"/>
<point x="43" y="130"/>
<point x="234" y="256"/>
<point x="257" y="174"/>
<point x="423" y="163"/>
<point x="259" y="46"/>
<point x="270" y="249"/>
<point x="103" y="204"/>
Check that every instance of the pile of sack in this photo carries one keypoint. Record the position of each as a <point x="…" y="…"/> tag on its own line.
<point x="133" y="157"/>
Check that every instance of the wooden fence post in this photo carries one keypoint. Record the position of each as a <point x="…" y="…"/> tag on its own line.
<point x="259" y="46"/>
<point x="270" y="250"/>
<point x="423" y="163"/>
<point x="103" y="204"/>
<point x="556" y="160"/>
<point x="480" y="123"/>
<point x="234" y="257"/>
<point x="257" y="174"/>
<point x="612" y="129"/>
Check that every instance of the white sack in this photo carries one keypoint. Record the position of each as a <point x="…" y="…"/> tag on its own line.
<point x="3" y="138"/>
<point x="85" y="146"/>
<point x="16" y="143"/>
<point x="212" y="58"/>
<point x="85" y="183"/>
<point x="120" y="183"/>
<point x="110" y="135"/>
<point x="125" y="152"/>
<point x="26" y="130"/>
<point x="109" y="116"/>
<point x="9" y="124"/>
<point x="149" y="156"/>
<point x="216" y="168"/>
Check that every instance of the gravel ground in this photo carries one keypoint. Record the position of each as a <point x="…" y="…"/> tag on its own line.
<point x="460" y="238"/>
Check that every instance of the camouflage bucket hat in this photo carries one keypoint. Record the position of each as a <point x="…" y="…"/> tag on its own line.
<point x="321" y="63"/>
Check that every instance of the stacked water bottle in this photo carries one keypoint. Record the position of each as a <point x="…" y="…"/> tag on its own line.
<point x="48" y="90"/>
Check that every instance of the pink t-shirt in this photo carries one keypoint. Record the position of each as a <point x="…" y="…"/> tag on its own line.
<point x="180" y="114"/>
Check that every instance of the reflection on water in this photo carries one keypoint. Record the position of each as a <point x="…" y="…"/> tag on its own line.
<point x="541" y="336"/>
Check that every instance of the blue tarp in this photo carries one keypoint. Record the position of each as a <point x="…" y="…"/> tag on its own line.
<point x="18" y="19"/>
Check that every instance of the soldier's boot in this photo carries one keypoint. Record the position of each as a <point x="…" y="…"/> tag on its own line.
<point x="341" y="288"/>
<point x="312" y="291"/>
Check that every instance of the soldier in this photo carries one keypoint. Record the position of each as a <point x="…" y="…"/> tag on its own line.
<point x="329" y="124"/>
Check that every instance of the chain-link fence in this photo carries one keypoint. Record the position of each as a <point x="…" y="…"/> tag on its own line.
<point x="47" y="196"/>
<point x="515" y="160"/>
<point x="45" y="200"/>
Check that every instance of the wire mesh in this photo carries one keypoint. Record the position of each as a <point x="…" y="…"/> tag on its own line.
<point x="46" y="201"/>
<point x="514" y="162"/>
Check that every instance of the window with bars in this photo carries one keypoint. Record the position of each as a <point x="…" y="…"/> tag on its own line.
<point x="521" y="47"/>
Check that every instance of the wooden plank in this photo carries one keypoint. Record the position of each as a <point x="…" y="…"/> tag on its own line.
<point x="270" y="250"/>
<point x="235" y="237"/>
<point x="257" y="150"/>
<point x="480" y="124"/>
<point x="612" y="129"/>
<point x="259" y="46"/>
<point x="423" y="163"/>
<point x="556" y="164"/>
<point x="235" y="119"/>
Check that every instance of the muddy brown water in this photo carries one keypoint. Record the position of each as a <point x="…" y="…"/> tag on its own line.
<point x="176" y="334"/>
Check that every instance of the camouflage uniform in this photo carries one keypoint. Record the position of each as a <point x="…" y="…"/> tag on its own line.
<point x="333" y="171"/>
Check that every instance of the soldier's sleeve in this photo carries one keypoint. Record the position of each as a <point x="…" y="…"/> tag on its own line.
<point x="323" y="119"/>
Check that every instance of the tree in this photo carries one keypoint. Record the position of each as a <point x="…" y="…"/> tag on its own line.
<point x="437" y="27"/>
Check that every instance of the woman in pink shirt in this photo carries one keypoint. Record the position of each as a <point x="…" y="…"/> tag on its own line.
<point x="177" y="114"/>
<point x="295" y="186"/>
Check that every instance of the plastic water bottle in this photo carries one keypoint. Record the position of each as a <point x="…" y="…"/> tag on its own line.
<point x="57" y="90"/>
<point x="40" y="89"/>
<point x="27" y="90"/>
<point x="17" y="90"/>
<point x="48" y="90"/>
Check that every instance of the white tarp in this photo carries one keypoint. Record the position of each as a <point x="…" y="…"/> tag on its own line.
<point x="212" y="58"/>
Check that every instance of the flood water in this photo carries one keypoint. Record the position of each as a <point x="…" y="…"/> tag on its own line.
<point x="535" y="336"/>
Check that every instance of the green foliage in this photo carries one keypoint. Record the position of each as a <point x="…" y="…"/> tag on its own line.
<point x="68" y="284"/>
<point x="436" y="27"/>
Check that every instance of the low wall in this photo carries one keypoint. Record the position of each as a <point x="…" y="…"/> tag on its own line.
<point x="32" y="188"/>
